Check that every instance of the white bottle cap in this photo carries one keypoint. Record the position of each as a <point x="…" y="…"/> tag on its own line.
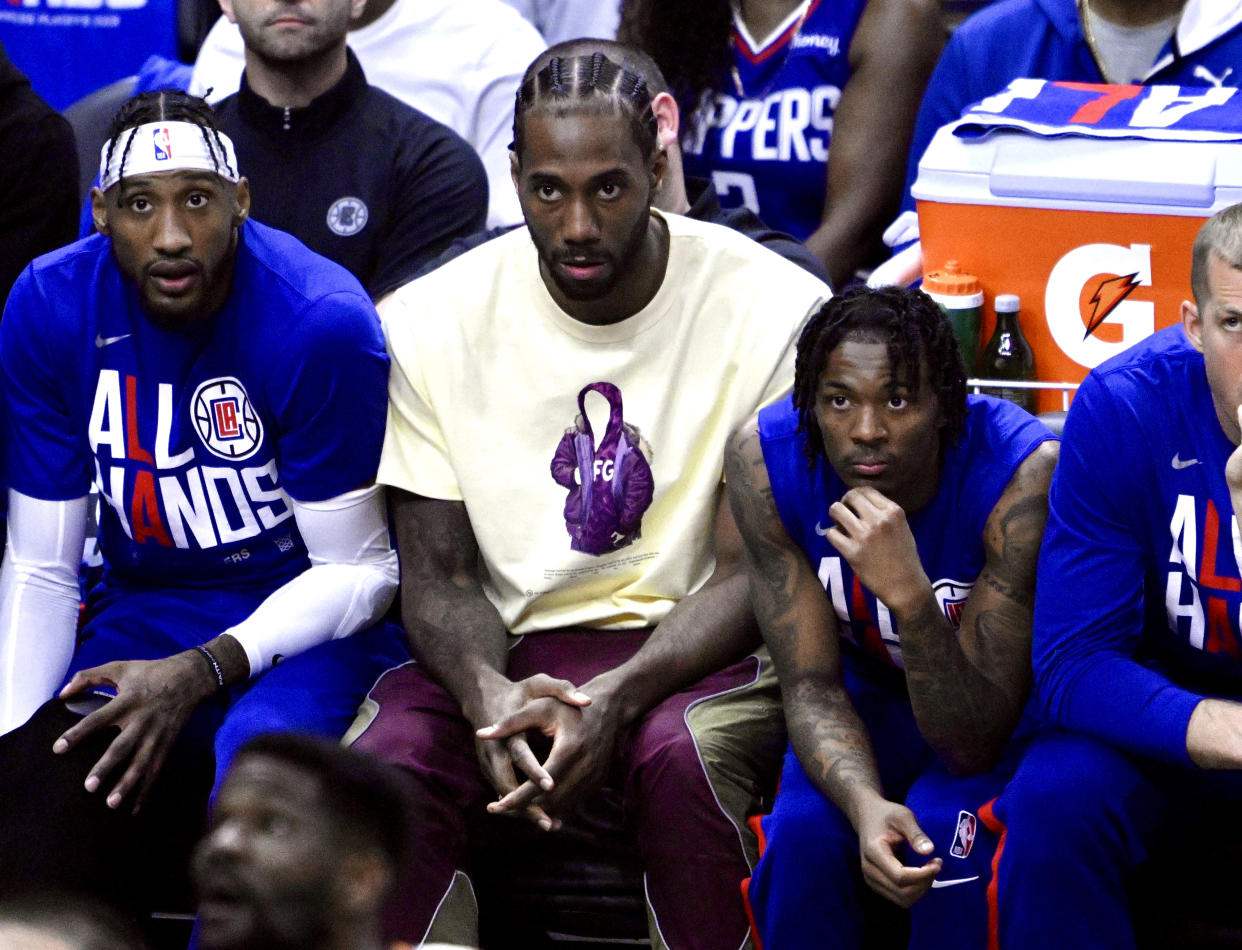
<point x="1007" y="303"/>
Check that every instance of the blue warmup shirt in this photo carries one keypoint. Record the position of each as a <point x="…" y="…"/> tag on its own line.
<point x="197" y="439"/>
<point x="768" y="149"/>
<point x="1139" y="587"/>
<point x="948" y="530"/>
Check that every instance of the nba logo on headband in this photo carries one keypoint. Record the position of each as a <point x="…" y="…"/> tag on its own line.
<point x="163" y="144"/>
<point x="175" y="145"/>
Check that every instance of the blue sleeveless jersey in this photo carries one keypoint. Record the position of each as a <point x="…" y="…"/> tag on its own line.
<point x="948" y="530"/>
<point x="196" y="439"/>
<point x="766" y="147"/>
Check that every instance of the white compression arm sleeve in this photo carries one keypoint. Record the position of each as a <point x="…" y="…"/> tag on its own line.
<point x="38" y="602"/>
<point x="350" y="583"/>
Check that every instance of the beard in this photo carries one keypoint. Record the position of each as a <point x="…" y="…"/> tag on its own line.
<point x="618" y="265"/>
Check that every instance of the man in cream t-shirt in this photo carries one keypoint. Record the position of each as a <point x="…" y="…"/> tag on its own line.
<point x="559" y="404"/>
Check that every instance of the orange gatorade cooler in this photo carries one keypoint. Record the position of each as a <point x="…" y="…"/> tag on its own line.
<point x="1093" y="234"/>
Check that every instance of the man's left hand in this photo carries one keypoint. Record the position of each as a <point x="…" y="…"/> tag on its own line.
<point x="884" y="828"/>
<point x="154" y="698"/>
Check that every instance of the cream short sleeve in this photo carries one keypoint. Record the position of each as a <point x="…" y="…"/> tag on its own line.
<point x="416" y="454"/>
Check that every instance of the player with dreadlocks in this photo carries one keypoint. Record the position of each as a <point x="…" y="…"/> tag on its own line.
<point x="891" y="524"/>
<point x="223" y="388"/>
<point x="590" y="465"/>
<point x="800" y="110"/>
<point x="910" y="326"/>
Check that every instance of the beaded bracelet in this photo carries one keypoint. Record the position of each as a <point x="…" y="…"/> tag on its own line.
<point x="214" y="663"/>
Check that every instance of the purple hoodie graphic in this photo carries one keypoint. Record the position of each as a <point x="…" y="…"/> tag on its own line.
<point x="610" y="484"/>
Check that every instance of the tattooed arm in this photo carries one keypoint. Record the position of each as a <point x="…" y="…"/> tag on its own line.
<point x="801" y="632"/>
<point x="967" y="688"/>
<point x="457" y="633"/>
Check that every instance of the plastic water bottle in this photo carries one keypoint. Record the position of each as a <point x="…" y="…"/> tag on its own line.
<point x="961" y="299"/>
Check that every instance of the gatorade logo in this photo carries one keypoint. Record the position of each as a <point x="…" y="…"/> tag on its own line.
<point x="1087" y="293"/>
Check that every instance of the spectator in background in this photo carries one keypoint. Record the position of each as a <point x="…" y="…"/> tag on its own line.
<point x="802" y="111"/>
<point x="39" y="187"/>
<point x="1179" y="42"/>
<point x="458" y="62"/>
<point x="694" y="196"/>
<point x="355" y="174"/>
<point x="304" y="846"/>
<point x="561" y="20"/>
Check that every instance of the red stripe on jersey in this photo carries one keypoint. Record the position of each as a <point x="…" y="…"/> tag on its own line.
<point x="777" y="44"/>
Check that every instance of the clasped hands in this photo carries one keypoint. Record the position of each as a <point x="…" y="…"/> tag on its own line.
<point x="582" y="729"/>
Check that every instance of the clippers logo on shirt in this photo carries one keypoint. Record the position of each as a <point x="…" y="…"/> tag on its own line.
<point x="1203" y="589"/>
<point x="951" y="599"/>
<point x="166" y="490"/>
<point x="348" y="216"/>
<point x="866" y="622"/>
<point x="225" y="420"/>
<point x="163" y="144"/>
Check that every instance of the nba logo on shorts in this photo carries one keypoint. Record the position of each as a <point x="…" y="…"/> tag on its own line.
<point x="225" y="420"/>
<point x="964" y="837"/>
<point x="163" y="144"/>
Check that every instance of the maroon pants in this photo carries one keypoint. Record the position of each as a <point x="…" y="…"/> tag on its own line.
<point x="689" y="772"/>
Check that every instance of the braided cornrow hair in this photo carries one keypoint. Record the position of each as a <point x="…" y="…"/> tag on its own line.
<point x="594" y="81"/>
<point x="166" y="105"/>
<point x="690" y="40"/>
<point x="917" y="334"/>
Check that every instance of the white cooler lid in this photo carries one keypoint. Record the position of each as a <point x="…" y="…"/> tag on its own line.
<point x="1138" y="176"/>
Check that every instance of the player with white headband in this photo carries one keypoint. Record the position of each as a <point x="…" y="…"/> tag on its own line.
<point x="166" y="146"/>
<point x="224" y="389"/>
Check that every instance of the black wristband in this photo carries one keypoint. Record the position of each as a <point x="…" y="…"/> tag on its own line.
<point x="213" y="663"/>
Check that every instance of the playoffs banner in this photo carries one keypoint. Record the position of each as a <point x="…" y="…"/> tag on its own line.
<point x="69" y="48"/>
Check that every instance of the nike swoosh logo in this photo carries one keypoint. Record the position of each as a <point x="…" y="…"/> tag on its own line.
<point x="822" y="532"/>
<point x="102" y="341"/>
<point x="958" y="880"/>
<point x="1179" y="464"/>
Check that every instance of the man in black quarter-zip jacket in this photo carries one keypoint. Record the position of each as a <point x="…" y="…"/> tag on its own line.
<point x="352" y="172"/>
